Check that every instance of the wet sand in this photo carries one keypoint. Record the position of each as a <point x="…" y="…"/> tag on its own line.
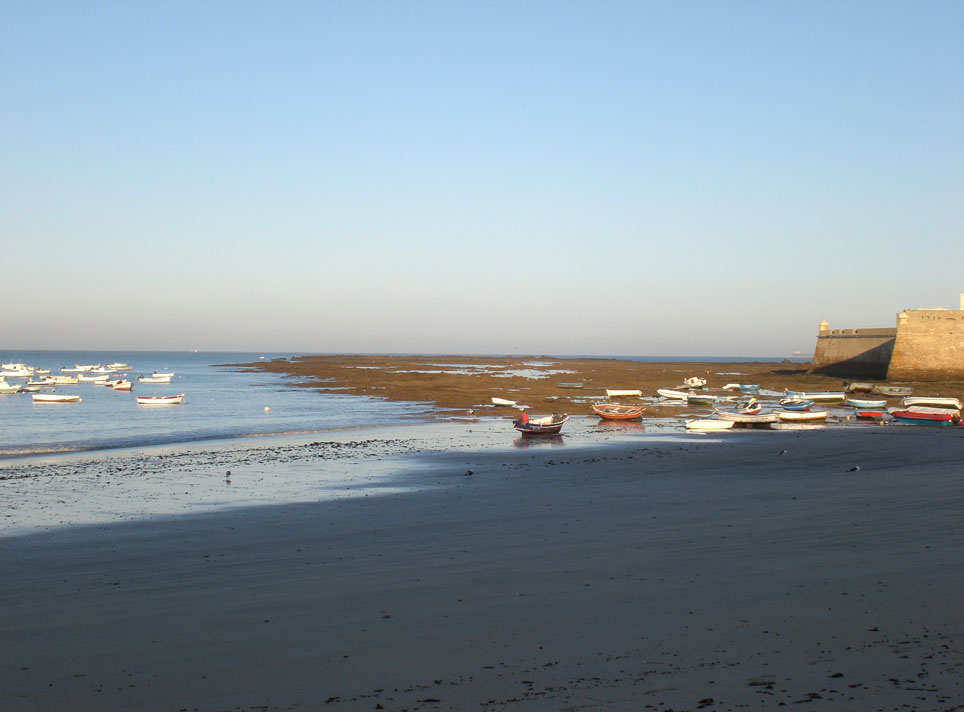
<point x="649" y="573"/>
<point x="468" y="383"/>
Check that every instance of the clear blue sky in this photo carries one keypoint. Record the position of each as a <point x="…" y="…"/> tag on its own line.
<point x="662" y="178"/>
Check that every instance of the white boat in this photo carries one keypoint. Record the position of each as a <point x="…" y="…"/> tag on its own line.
<point x="54" y="398"/>
<point x="707" y="424"/>
<point x="933" y="410"/>
<point x="64" y="380"/>
<point x="78" y="368"/>
<point x="160" y="400"/>
<point x="92" y="379"/>
<point x="694" y="382"/>
<point x="671" y="394"/>
<point x="8" y="388"/>
<point x="623" y="392"/>
<point x="934" y="402"/>
<point x="817" y="395"/>
<point x="121" y="384"/>
<point x="156" y="378"/>
<point x="700" y="399"/>
<point x="747" y="417"/>
<point x="503" y="401"/>
<point x="16" y="372"/>
<point x="801" y="416"/>
<point x="117" y="366"/>
<point x="866" y="403"/>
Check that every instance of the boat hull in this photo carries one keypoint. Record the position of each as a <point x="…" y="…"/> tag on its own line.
<point x="160" y="400"/>
<point x="613" y="411"/>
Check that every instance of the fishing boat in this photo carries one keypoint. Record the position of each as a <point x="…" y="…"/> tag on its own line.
<point x="54" y="398"/>
<point x="118" y="366"/>
<point x="694" y="382"/>
<point x="121" y="384"/>
<point x="64" y="380"/>
<point x="707" y="424"/>
<point x="866" y="403"/>
<point x="8" y="388"/>
<point x="796" y="404"/>
<point x="912" y="417"/>
<point x="156" y="378"/>
<point x="546" y="425"/>
<point x="15" y="370"/>
<point x="797" y="416"/>
<point x="671" y="394"/>
<point x="933" y="401"/>
<point x="893" y="390"/>
<point x="571" y="384"/>
<point x="615" y="411"/>
<point x="622" y="393"/>
<point x="700" y="399"/>
<point x="503" y="401"/>
<point x="160" y="400"/>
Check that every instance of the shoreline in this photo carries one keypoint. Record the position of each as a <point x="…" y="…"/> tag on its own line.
<point x="692" y="573"/>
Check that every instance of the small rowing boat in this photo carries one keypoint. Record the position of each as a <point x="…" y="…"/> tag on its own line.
<point x="571" y="384"/>
<point x="797" y="404"/>
<point x="546" y="425"/>
<point x="748" y="418"/>
<point x="623" y="392"/>
<point x="160" y="400"/>
<point x="893" y="390"/>
<point x="615" y="411"/>
<point x="121" y="384"/>
<point x="708" y="425"/>
<point x="672" y="394"/>
<point x="912" y="417"/>
<point x="156" y="378"/>
<point x="797" y="416"/>
<point x="54" y="398"/>
<point x="503" y="401"/>
<point x="934" y="402"/>
<point x="700" y="399"/>
<point x="866" y="403"/>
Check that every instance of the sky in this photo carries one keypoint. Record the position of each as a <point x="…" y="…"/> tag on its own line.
<point x="598" y="178"/>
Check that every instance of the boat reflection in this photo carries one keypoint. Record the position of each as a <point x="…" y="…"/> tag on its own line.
<point x="539" y="441"/>
<point x="622" y="426"/>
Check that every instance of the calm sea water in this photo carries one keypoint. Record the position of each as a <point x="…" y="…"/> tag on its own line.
<point x="221" y="402"/>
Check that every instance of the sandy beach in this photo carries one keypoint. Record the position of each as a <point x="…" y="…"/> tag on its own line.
<point x="752" y="570"/>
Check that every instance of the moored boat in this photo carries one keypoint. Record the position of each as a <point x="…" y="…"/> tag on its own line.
<point x="858" y="387"/>
<point x="54" y="398"/>
<point x="160" y="400"/>
<point x="92" y="379"/>
<point x="912" y="417"/>
<point x="64" y="380"/>
<point x="121" y="384"/>
<point x="545" y="425"/>
<point x="615" y="411"/>
<point x="707" y="424"/>
<point x="8" y="388"/>
<point x="798" y="416"/>
<point x="156" y="378"/>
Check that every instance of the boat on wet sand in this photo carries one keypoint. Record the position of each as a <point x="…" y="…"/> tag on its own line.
<point x="796" y="404"/>
<point x="893" y="390"/>
<point x="545" y="425"/>
<point x="746" y="418"/>
<point x="798" y="416"/>
<point x="160" y="400"/>
<point x="934" y="402"/>
<point x="623" y="392"/>
<point x="505" y="402"/>
<point x="672" y="394"/>
<point x="615" y="411"/>
<point x="913" y="417"/>
<point x="866" y="403"/>
<point x="708" y="424"/>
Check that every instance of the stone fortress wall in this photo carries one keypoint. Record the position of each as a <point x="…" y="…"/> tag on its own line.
<point x="926" y="344"/>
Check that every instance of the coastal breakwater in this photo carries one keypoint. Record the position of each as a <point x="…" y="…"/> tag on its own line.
<point x="925" y="345"/>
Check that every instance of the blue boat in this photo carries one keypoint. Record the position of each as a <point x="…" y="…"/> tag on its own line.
<point x="794" y="403"/>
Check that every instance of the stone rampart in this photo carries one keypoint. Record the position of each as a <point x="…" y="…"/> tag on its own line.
<point x="929" y="345"/>
<point x="858" y="353"/>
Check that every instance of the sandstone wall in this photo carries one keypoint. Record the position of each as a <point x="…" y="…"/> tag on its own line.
<point x="929" y="345"/>
<point x="854" y="353"/>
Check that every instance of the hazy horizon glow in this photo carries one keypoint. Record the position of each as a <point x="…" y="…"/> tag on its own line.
<point x="614" y="178"/>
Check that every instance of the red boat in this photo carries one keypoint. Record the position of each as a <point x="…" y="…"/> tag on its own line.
<point x="615" y="411"/>
<point x="911" y="417"/>
<point x="870" y="414"/>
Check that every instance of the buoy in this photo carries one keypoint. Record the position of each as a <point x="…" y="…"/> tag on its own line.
<point x="267" y="408"/>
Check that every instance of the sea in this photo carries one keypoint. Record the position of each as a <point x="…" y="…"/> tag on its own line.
<point x="223" y="400"/>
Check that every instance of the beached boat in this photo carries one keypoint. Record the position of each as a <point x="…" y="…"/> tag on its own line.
<point x="870" y="414"/>
<point x="707" y="424"/>
<point x="866" y="403"/>
<point x="911" y="417"/>
<point x="615" y="411"/>
<point x="160" y="400"/>
<point x="672" y="394"/>
<point x="694" y="382"/>
<point x="816" y="395"/>
<point x="8" y="388"/>
<point x="857" y="387"/>
<point x="700" y="399"/>
<point x="503" y="401"/>
<point x="623" y="392"/>
<point x="933" y="401"/>
<point x="54" y="398"/>
<point x="571" y="384"/>
<point x="797" y="404"/>
<point x="749" y="418"/>
<point x="546" y="425"/>
<point x="156" y="378"/>
<point x="749" y="407"/>
<point x="893" y="390"/>
<point x="801" y="416"/>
